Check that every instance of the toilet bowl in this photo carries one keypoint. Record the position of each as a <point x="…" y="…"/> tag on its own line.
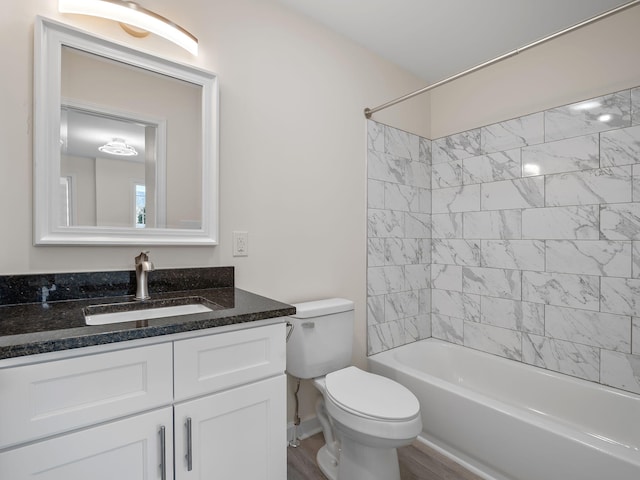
<point x="364" y="417"/>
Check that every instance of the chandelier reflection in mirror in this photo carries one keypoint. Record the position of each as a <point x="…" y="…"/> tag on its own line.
<point x="118" y="146"/>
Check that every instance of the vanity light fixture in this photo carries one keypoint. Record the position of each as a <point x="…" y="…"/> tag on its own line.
<point x="118" y="146"/>
<point x="130" y="14"/>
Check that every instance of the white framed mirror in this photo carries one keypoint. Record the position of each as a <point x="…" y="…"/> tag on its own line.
<point x="125" y="144"/>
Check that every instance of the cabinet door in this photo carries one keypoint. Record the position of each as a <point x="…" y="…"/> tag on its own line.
<point x="236" y="434"/>
<point x="126" y="449"/>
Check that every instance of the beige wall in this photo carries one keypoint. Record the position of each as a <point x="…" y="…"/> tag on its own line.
<point x="592" y="61"/>
<point x="292" y="147"/>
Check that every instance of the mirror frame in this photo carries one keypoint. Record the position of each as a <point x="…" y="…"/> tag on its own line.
<point x="50" y="37"/>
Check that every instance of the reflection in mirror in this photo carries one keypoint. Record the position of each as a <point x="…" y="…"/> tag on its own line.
<point x="109" y="170"/>
<point x="134" y="157"/>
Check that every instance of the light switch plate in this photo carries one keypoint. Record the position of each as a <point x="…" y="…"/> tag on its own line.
<point x="240" y="244"/>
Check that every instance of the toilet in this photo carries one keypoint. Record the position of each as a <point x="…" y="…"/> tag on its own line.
<point x="364" y="417"/>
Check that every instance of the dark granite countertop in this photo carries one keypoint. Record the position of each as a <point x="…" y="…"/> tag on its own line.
<point x="38" y="327"/>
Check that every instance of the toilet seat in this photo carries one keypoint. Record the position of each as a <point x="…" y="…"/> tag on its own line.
<point x="371" y="396"/>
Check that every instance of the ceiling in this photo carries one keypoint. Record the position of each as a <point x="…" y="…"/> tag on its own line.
<point x="435" y="39"/>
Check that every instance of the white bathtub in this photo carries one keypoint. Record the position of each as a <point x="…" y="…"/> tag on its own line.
<point x="507" y="420"/>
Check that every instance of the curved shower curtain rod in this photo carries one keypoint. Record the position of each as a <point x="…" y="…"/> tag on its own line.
<point x="370" y="111"/>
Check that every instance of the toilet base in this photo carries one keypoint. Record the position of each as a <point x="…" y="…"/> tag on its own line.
<point x="362" y="462"/>
<point x="327" y="463"/>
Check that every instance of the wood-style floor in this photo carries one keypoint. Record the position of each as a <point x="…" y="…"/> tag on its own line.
<point x="417" y="462"/>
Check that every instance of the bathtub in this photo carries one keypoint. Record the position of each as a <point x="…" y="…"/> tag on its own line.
<point x="506" y="420"/>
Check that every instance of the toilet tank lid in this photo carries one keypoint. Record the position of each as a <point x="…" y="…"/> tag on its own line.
<point x="319" y="308"/>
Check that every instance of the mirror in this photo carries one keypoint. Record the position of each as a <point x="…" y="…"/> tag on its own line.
<point x="125" y="144"/>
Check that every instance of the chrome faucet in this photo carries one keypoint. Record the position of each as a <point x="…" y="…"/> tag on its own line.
<point x="143" y="265"/>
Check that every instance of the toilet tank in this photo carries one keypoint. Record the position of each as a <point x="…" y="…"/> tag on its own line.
<point x="322" y="337"/>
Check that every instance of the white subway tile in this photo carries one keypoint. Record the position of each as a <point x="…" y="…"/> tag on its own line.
<point x="400" y="305"/>
<point x="385" y="223"/>
<point x="498" y="341"/>
<point x="493" y="282"/>
<point x="572" y="154"/>
<point x="513" y="314"/>
<point x="620" y="147"/>
<point x="418" y="174"/>
<point x="424" y="200"/>
<point x="424" y="301"/>
<point x="620" y="295"/>
<point x="417" y="225"/>
<point x="635" y="106"/>
<point x="561" y="223"/>
<point x="620" y="370"/>
<point x="456" y="304"/>
<point x="602" y="185"/>
<point x="635" y="179"/>
<point x="417" y="277"/>
<point x="447" y="328"/>
<point x="509" y="194"/>
<point x="401" y="198"/>
<point x="456" y="252"/>
<point x="620" y="221"/>
<point x="492" y="167"/>
<point x="585" y="117"/>
<point x="603" y="330"/>
<point x="564" y="290"/>
<point x="456" y="199"/>
<point x="375" y="194"/>
<point x="401" y="144"/>
<point x="381" y="166"/>
<point x="405" y="251"/>
<point x="385" y="336"/>
<point x="518" y="132"/>
<point x="514" y="254"/>
<point x="376" y="252"/>
<point x="375" y="309"/>
<point x="590" y="257"/>
<point x="635" y="258"/>
<point x="565" y="357"/>
<point x="497" y="224"/>
<point x="446" y="277"/>
<point x="417" y="328"/>
<point x="456" y="147"/>
<point x="448" y="174"/>
<point x="381" y="280"/>
<point x="446" y="225"/>
<point x="424" y="150"/>
<point x="375" y="136"/>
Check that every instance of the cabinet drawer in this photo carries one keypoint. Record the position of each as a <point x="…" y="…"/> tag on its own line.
<point x="217" y="362"/>
<point x="48" y="398"/>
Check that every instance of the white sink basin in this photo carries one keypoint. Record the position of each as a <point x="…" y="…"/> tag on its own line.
<point x="145" y="314"/>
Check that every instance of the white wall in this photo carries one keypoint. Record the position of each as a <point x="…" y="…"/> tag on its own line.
<point x="292" y="147"/>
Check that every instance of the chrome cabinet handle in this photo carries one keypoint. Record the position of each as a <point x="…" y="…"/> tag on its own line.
<point x="189" y="454"/>
<point x="163" y="454"/>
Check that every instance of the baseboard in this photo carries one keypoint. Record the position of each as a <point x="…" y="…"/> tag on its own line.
<point x="308" y="426"/>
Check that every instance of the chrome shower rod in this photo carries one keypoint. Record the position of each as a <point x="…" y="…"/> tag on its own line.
<point x="370" y="111"/>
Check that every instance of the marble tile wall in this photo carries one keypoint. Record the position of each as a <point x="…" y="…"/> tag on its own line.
<point x="536" y="239"/>
<point x="398" y="237"/>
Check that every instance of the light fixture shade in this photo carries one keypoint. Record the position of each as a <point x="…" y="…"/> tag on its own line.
<point x="131" y="13"/>
<point x="118" y="146"/>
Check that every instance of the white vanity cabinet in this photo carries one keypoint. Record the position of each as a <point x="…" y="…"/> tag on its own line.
<point x="210" y="406"/>
<point x="239" y="431"/>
